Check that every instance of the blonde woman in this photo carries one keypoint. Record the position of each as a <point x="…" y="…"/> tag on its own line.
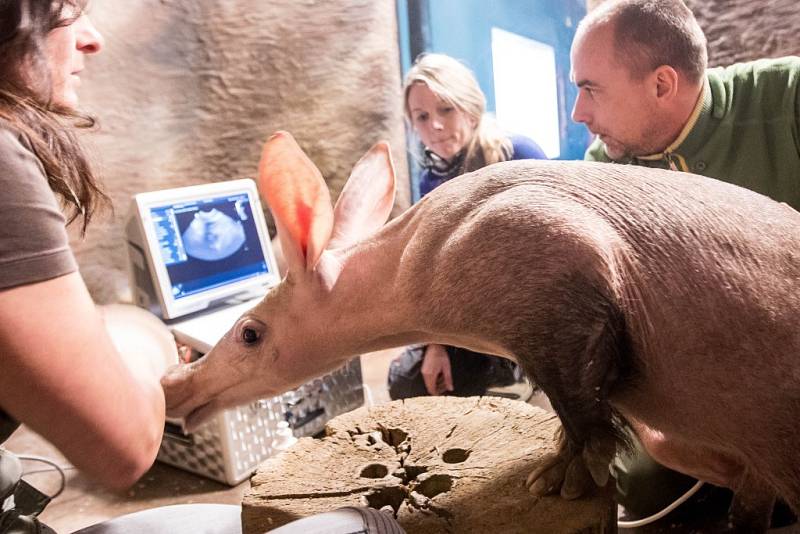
<point x="446" y="110"/>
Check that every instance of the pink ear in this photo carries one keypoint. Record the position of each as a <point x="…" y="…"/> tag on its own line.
<point x="293" y="188"/>
<point x="367" y="198"/>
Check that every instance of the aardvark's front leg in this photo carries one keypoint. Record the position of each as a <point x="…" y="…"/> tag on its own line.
<point x="579" y="356"/>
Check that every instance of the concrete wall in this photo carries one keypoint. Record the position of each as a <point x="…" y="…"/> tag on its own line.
<point x="187" y="91"/>
<point x="742" y="30"/>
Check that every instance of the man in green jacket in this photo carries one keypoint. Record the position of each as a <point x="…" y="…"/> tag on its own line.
<point x="644" y="90"/>
<point x="640" y="67"/>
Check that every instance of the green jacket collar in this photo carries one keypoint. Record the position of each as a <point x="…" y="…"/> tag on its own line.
<point x="715" y="106"/>
<point x="709" y="108"/>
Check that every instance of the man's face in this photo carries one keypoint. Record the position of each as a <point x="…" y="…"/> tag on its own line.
<point x="620" y="110"/>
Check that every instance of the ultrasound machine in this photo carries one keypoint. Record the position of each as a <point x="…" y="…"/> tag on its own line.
<point x="199" y="257"/>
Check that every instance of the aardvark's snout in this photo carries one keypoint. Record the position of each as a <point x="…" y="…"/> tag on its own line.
<point x="185" y="394"/>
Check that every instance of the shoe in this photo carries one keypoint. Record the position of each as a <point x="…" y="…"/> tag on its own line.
<point x="522" y="390"/>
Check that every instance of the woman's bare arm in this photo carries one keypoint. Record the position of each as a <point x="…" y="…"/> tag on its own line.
<point x="62" y="376"/>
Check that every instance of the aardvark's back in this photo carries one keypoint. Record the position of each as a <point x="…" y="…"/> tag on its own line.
<point x="698" y="280"/>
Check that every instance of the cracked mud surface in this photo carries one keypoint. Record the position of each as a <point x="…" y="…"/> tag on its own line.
<point x="438" y="464"/>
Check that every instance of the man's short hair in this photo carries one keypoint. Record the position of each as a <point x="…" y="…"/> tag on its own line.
<point x="651" y="33"/>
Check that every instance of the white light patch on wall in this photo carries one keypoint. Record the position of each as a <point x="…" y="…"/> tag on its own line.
<point x="525" y="89"/>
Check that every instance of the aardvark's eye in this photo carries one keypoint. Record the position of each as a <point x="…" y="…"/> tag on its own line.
<point x="250" y="331"/>
<point x="250" y="335"/>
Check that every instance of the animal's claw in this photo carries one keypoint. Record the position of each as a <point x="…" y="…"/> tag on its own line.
<point x="597" y="455"/>
<point x="547" y="476"/>
<point x="570" y="473"/>
<point x="577" y="480"/>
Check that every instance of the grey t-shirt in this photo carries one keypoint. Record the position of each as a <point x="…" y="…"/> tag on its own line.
<point x="33" y="239"/>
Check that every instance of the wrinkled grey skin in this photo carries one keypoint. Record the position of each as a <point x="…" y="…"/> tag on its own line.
<point x="626" y="293"/>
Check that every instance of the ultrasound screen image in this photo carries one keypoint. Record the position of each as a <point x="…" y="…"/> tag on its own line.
<point x="213" y="236"/>
<point x="208" y="243"/>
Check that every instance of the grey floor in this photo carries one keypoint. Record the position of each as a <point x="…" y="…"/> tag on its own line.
<point x="84" y="503"/>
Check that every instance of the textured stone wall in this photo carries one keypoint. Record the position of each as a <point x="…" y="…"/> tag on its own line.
<point x="742" y="30"/>
<point x="186" y="92"/>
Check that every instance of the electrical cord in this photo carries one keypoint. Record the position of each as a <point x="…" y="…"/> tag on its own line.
<point x="655" y="517"/>
<point x="54" y="467"/>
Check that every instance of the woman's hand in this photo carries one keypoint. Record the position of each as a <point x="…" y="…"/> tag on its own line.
<point x="436" y="370"/>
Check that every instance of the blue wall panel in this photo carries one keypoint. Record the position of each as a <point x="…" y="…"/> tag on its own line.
<point x="462" y="29"/>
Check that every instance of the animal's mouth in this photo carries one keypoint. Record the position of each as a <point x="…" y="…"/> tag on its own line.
<point x="185" y="394"/>
<point x="197" y="417"/>
<point x="199" y="409"/>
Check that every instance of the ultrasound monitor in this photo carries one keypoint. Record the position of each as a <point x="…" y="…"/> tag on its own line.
<point x="198" y="247"/>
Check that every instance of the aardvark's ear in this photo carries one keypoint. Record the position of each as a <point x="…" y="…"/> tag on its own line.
<point x="298" y="197"/>
<point x="366" y="199"/>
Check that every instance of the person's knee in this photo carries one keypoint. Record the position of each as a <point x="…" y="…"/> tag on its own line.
<point x="404" y="379"/>
<point x="645" y="486"/>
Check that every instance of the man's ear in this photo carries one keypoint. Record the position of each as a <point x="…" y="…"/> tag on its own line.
<point x="666" y="82"/>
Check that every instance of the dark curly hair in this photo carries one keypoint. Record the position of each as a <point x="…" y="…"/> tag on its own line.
<point x="26" y="105"/>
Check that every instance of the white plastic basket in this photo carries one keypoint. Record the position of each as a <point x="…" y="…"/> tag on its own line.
<point x="230" y="446"/>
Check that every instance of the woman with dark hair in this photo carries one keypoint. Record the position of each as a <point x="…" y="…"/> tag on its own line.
<point x="60" y="373"/>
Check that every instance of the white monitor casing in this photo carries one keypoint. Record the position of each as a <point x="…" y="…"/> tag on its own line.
<point x="146" y="258"/>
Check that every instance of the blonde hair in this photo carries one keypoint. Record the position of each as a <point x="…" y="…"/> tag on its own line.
<point x="455" y="84"/>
